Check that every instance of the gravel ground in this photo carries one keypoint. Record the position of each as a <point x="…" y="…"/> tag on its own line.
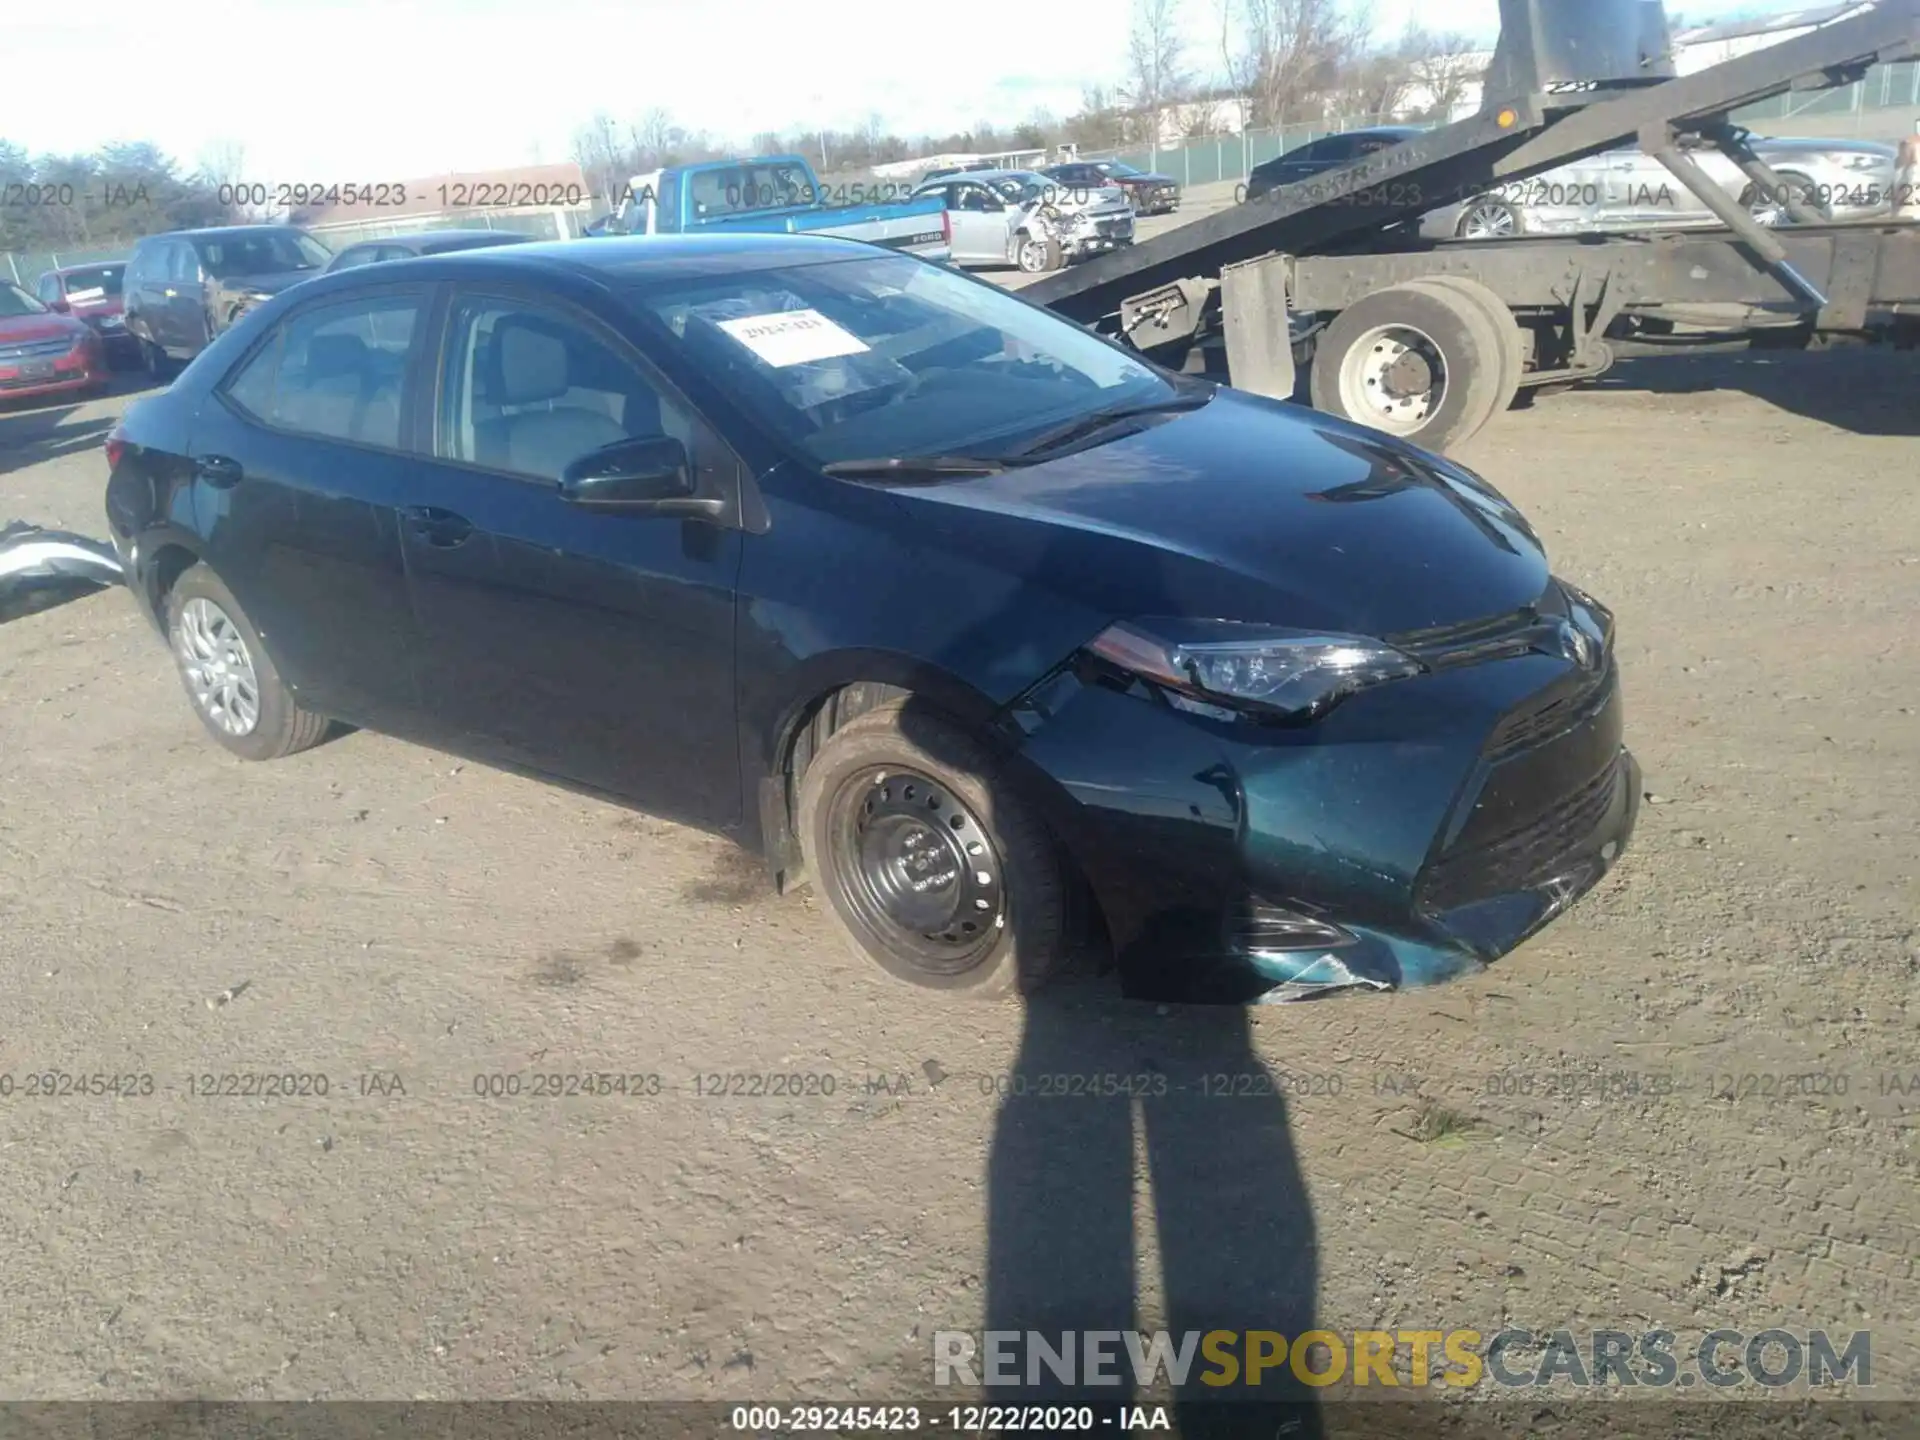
<point x="1591" y="1135"/>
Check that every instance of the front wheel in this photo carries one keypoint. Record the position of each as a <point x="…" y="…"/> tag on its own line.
<point x="1038" y="257"/>
<point x="934" y="868"/>
<point x="156" y="362"/>
<point x="1488" y="219"/>
<point x="235" y="689"/>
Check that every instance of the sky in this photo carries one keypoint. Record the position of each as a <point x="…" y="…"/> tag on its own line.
<point x="341" y="91"/>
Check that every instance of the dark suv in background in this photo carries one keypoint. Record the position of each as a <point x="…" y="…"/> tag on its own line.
<point x="186" y="287"/>
<point x="1329" y="152"/>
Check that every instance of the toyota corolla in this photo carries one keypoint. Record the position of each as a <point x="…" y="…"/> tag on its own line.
<point x="976" y="621"/>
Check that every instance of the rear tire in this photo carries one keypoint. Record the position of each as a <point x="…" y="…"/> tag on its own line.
<point x="1513" y="345"/>
<point x="1421" y="362"/>
<point x="155" y="359"/>
<point x="229" y="678"/>
<point x="934" y="868"/>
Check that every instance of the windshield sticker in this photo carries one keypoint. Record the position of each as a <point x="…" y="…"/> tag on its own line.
<point x="793" y="337"/>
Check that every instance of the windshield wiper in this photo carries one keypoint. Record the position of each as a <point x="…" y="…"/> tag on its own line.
<point x="913" y="467"/>
<point x="1062" y="435"/>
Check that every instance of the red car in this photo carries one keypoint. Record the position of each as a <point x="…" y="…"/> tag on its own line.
<point x="93" y="293"/>
<point x="43" y="352"/>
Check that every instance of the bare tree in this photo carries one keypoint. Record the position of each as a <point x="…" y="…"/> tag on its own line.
<point x="1156" y="63"/>
<point x="1287" y="55"/>
<point x="601" y="156"/>
<point x="1441" y="68"/>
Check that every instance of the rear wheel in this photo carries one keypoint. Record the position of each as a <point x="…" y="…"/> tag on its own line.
<point x="234" y="687"/>
<point x="156" y="361"/>
<point x="1420" y="362"/>
<point x="1513" y="345"/>
<point x="1488" y="219"/>
<point x="934" y="868"/>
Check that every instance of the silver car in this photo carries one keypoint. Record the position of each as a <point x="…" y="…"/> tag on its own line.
<point x="1627" y="189"/>
<point x="1023" y="218"/>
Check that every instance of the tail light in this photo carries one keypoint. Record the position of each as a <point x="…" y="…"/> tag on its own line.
<point x="946" y="227"/>
<point x="116" y="447"/>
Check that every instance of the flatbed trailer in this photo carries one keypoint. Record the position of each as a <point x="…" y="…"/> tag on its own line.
<point x="1430" y="339"/>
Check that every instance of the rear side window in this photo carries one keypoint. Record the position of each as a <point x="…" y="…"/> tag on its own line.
<point x="336" y="371"/>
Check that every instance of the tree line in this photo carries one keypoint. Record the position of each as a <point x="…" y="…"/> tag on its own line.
<point x="101" y="199"/>
<point x="1277" y="62"/>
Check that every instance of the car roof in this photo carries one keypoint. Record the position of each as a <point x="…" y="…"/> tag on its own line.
<point x="617" y="260"/>
<point x="440" y="237"/>
<point x="208" y="231"/>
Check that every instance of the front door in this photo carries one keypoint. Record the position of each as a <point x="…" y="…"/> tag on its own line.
<point x="299" y="456"/>
<point x="594" y="647"/>
<point x="980" y="233"/>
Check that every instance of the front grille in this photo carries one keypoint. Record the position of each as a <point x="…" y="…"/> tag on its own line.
<point x="1555" y="714"/>
<point x="1524" y="859"/>
<point x="34" y="349"/>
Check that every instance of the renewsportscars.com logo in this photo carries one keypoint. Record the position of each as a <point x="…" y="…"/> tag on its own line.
<point x="1390" y="1359"/>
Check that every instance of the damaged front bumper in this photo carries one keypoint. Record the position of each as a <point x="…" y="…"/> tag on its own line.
<point x="1416" y="834"/>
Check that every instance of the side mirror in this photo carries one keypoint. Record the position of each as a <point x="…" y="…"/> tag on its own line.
<point x="60" y="307"/>
<point x="651" y="477"/>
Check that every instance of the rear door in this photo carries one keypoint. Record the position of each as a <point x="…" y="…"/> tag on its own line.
<point x="593" y="647"/>
<point x="301" y="456"/>
<point x="188" y="328"/>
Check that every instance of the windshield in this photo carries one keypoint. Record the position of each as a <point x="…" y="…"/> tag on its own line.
<point x="1025" y="186"/>
<point x="862" y="358"/>
<point x="96" y="282"/>
<point x="15" y="302"/>
<point x="1113" y="169"/>
<point x="262" y="252"/>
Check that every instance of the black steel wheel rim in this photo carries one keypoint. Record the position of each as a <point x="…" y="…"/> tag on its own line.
<point x="917" y="870"/>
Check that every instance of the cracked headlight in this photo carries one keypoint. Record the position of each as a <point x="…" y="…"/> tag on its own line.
<point x="1298" y="675"/>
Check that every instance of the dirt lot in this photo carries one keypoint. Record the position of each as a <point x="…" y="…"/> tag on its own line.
<point x="1553" y="1144"/>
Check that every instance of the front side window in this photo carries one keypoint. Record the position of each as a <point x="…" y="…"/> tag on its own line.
<point x="335" y="371"/>
<point x="852" y="359"/>
<point x="262" y="252"/>
<point x="358" y="255"/>
<point x="529" y="391"/>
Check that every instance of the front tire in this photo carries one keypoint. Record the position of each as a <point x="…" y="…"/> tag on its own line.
<point x="1421" y="362"/>
<point x="934" y="868"/>
<point x="1038" y="257"/>
<point x="229" y="678"/>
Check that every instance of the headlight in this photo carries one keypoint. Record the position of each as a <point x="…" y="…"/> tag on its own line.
<point x="1299" y="675"/>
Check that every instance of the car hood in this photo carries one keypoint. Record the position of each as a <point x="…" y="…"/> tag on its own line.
<point x="265" y="284"/>
<point x="26" y="329"/>
<point x="1249" y="509"/>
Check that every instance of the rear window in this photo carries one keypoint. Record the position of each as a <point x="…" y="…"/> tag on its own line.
<point x="97" y="282"/>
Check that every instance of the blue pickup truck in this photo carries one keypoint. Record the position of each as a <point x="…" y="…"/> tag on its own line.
<point x="778" y="194"/>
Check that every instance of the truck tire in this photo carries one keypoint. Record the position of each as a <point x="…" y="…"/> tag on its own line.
<point x="1513" y="345"/>
<point x="1418" y="361"/>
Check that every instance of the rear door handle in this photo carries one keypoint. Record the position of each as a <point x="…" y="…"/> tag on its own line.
<point x="442" y="529"/>
<point x="219" y="471"/>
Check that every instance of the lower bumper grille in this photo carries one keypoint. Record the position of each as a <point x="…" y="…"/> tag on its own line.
<point x="1527" y="858"/>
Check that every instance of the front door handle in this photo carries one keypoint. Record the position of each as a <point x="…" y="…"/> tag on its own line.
<point x="442" y="529"/>
<point x="219" y="471"/>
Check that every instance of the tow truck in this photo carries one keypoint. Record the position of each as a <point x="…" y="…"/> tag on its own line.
<point x="1328" y="281"/>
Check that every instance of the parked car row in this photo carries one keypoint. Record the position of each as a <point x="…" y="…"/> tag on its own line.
<point x="44" y="351"/>
<point x="1624" y="188"/>
<point x="1028" y="219"/>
